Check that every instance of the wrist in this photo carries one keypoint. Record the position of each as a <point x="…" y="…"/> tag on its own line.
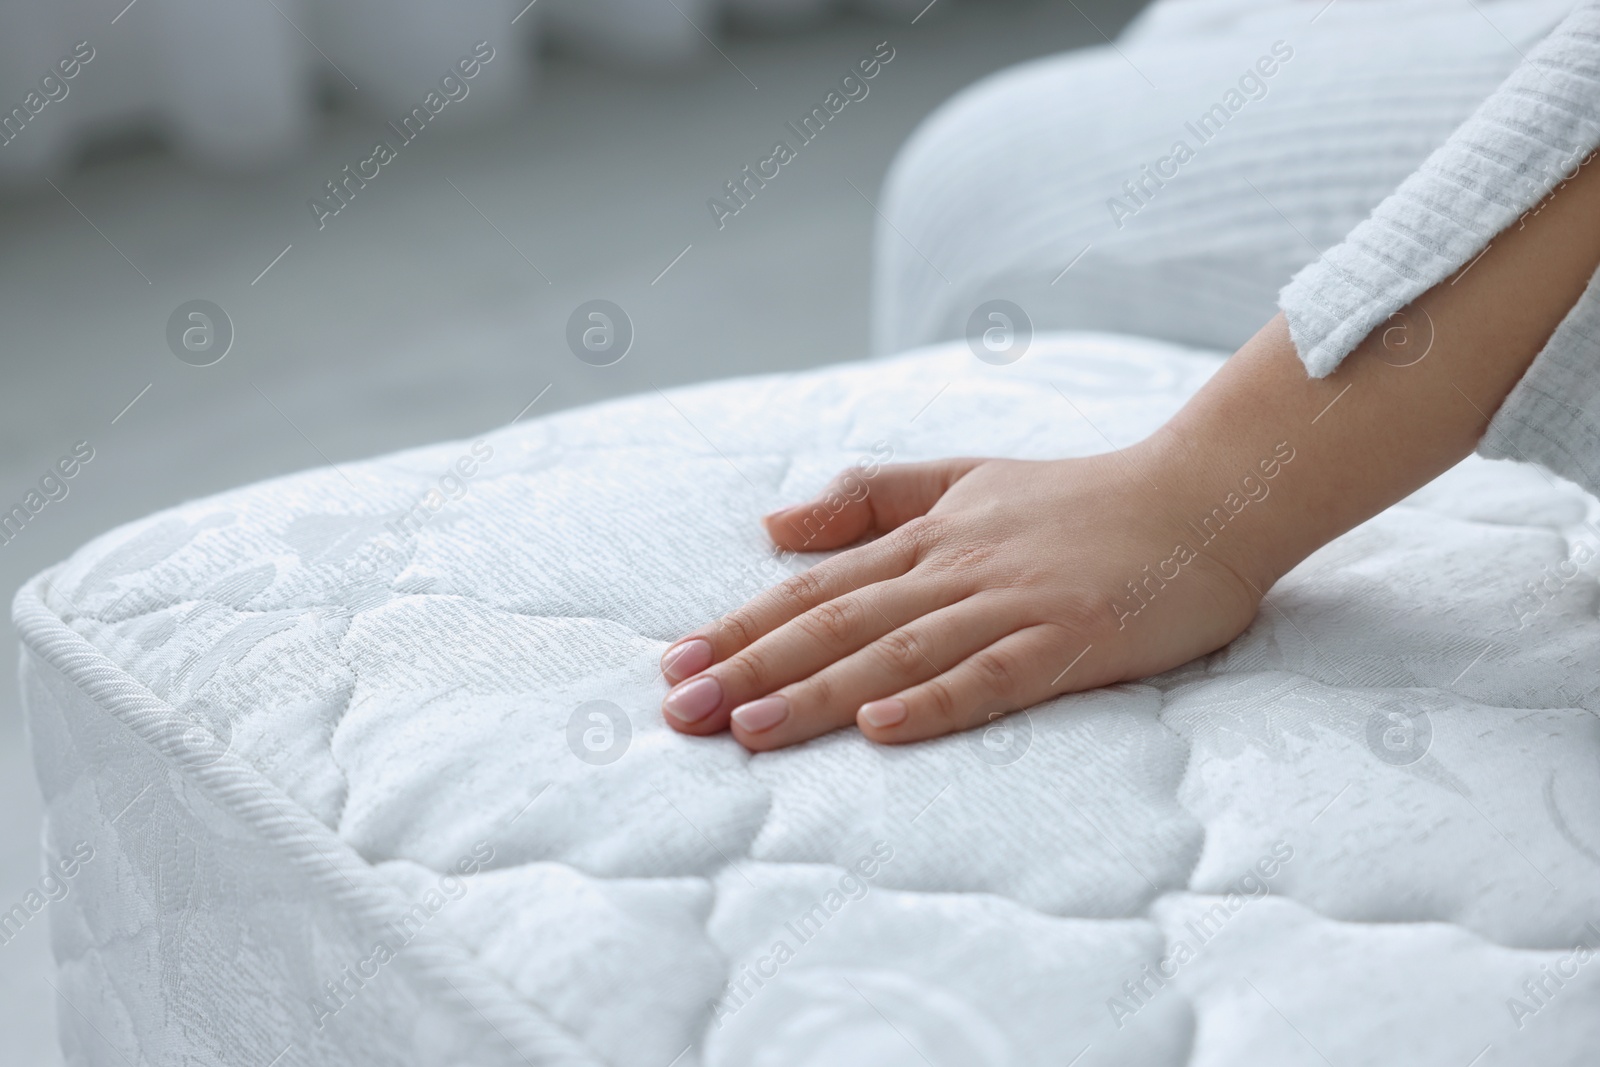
<point x="1226" y="499"/>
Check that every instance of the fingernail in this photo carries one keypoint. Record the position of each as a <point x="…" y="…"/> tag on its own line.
<point x="686" y="659"/>
<point x="693" y="701"/>
<point x="763" y="714"/>
<point x="883" y="713"/>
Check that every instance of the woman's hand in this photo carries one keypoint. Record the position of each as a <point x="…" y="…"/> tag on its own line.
<point x="998" y="583"/>
<point x="995" y="584"/>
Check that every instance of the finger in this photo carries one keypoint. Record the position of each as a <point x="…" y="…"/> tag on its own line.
<point x="899" y="494"/>
<point x="806" y="644"/>
<point x="860" y="567"/>
<point x="913" y="653"/>
<point x="1018" y="670"/>
<point x="856" y="504"/>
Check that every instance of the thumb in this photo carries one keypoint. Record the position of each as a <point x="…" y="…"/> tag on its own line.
<point x="856" y="504"/>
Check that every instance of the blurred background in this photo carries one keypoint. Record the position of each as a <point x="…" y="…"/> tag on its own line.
<point x="160" y="152"/>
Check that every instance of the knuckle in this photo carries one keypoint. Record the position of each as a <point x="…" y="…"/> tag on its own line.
<point x="798" y="593"/>
<point x="833" y="622"/>
<point x="899" y="651"/>
<point x="816" y="692"/>
<point x="997" y="672"/>
<point x="921" y="534"/>
<point x="738" y="628"/>
<point x="940" y="700"/>
<point x="1021" y="579"/>
<point x="748" y="672"/>
<point x="958" y="558"/>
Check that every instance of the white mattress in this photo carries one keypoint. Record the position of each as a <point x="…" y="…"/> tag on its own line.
<point x="280" y="737"/>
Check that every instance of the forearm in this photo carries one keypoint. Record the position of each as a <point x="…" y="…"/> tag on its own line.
<point x="1405" y="406"/>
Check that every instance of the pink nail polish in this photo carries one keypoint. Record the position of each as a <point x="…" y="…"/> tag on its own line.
<point x="693" y="701"/>
<point x="686" y="659"/>
<point x="763" y="714"/>
<point x="885" y="713"/>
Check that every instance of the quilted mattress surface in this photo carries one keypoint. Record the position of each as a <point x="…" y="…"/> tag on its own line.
<point x="370" y="769"/>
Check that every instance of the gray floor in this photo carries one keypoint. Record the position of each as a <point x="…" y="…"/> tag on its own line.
<point x="410" y="319"/>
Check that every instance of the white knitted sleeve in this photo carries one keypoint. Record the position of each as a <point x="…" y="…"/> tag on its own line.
<point x="1552" y="416"/>
<point x="1523" y="141"/>
<point x="1533" y="133"/>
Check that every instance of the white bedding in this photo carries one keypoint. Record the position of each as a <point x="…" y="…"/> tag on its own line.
<point x="285" y="732"/>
